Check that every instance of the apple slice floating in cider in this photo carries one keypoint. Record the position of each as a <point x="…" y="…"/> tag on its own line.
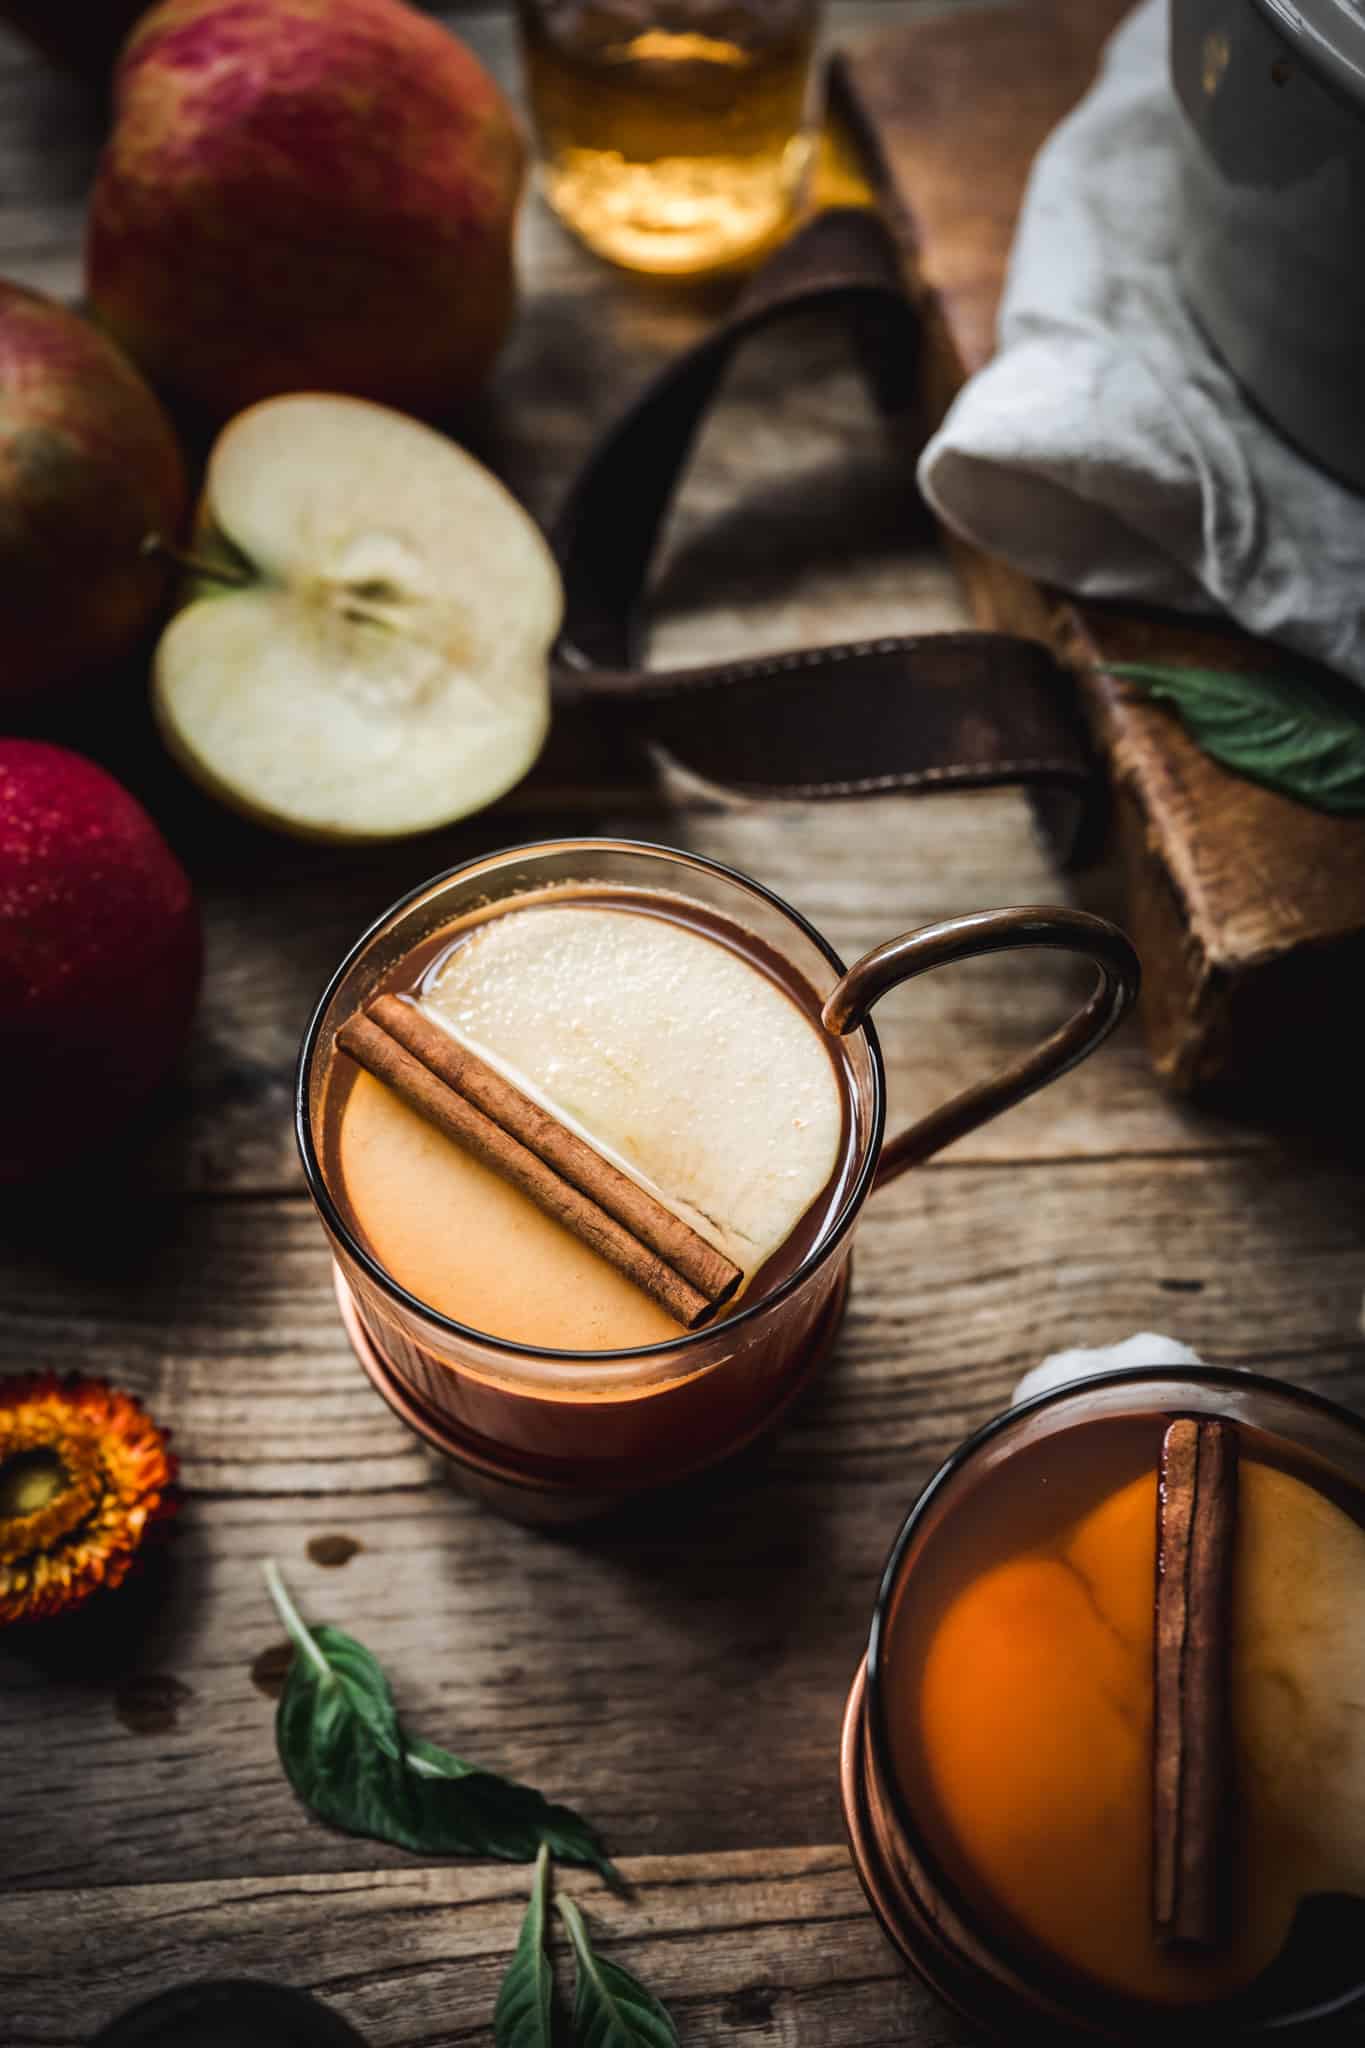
<point x="370" y="659"/>
<point x="673" y="1055"/>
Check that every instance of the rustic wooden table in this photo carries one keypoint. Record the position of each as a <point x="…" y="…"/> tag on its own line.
<point x="677" y="1674"/>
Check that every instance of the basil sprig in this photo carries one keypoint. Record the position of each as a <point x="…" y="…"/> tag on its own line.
<point x="612" y="2009"/>
<point x="1280" y="730"/>
<point x="524" y="2014"/>
<point x="347" y="1756"/>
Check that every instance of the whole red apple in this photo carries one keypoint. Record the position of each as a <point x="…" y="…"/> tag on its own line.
<point x="99" y="955"/>
<point x="88" y="467"/>
<point x="305" y="195"/>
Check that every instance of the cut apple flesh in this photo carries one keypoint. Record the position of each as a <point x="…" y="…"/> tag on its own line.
<point x="672" y="1054"/>
<point x="374" y="662"/>
<point x="1299" y="1663"/>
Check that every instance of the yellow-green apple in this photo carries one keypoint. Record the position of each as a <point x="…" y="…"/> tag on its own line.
<point x="305" y="195"/>
<point x="88" y="467"/>
<point x="367" y="655"/>
<point x="99" y="955"/>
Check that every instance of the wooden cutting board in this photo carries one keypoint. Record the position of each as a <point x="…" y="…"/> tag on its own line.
<point x="1248" y="909"/>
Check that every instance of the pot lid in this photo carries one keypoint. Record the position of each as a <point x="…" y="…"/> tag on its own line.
<point x="1329" y="33"/>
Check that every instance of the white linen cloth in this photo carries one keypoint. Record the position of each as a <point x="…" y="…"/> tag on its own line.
<point x="1106" y="448"/>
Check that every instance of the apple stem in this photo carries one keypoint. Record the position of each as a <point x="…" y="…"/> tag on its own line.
<point x="197" y="565"/>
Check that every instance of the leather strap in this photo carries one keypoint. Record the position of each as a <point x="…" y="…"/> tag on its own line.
<point x="931" y="711"/>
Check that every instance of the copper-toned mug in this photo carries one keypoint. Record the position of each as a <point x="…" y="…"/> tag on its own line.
<point x="553" y="1434"/>
<point x="1054" y="1458"/>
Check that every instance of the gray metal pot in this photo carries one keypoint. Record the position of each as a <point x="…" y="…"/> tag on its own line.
<point x="1273" y="241"/>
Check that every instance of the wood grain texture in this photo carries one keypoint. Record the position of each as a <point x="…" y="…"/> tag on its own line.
<point x="616" y="1666"/>
<point x="1250" y="908"/>
<point x="769" y="1945"/>
<point x="955" y="110"/>
<point x="679" y="1670"/>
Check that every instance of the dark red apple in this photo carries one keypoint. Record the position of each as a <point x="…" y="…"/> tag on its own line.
<point x="89" y="466"/>
<point x="99" y="956"/>
<point x="305" y="195"/>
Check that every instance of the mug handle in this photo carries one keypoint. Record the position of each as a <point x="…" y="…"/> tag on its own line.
<point x="961" y="938"/>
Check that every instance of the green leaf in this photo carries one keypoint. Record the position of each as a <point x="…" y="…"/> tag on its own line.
<point x="347" y="1757"/>
<point x="337" y="1728"/>
<point x="522" y="2015"/>
<point x="611" y="2008"/>
<point x="478" y="1814"/>
<point x="1282" y="731"/>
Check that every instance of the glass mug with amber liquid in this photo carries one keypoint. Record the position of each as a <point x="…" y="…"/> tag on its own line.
<point x="589" y="1125"/>
<point x="1103" y="1765"/>
<point x="676" y="137"/>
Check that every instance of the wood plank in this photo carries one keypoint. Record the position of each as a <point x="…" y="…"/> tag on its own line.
<point x="615" y="1669"/>
<point x="679" y="1670"/>
<point x="51" y="127"/>
<point x="955" y="112"/>
<point x="221" y="1314"/>
<point x="765" y="1945"/>
<point x="609" y="1665"/>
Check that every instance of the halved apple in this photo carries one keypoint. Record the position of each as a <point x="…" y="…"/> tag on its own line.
<point x="366" y="654"/>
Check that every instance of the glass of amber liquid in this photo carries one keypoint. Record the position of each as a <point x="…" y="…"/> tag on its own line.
<point x="652" y="1024"/>
<point x="1063" y="1845"/>
<point x="674" y="137"/>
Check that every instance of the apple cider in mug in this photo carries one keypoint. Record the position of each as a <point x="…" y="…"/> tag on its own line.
<point x="589" y="1125"/>
<point x="588" y="1119"/>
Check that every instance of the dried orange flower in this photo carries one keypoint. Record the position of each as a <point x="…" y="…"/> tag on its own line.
<point x="84" y="1472"/>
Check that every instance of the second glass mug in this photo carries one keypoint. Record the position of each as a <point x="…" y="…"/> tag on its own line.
<point x="555" y="1435"/>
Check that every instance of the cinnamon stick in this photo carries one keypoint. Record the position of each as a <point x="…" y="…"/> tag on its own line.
<point x="1191" y="1774"/>
<point x="391" y="1062"/>
<point x="642" y="1214"/>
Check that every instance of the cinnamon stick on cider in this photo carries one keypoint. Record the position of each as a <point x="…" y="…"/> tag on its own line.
<point x="468" y="1100"/>
<point x="1191" y="1781"/>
